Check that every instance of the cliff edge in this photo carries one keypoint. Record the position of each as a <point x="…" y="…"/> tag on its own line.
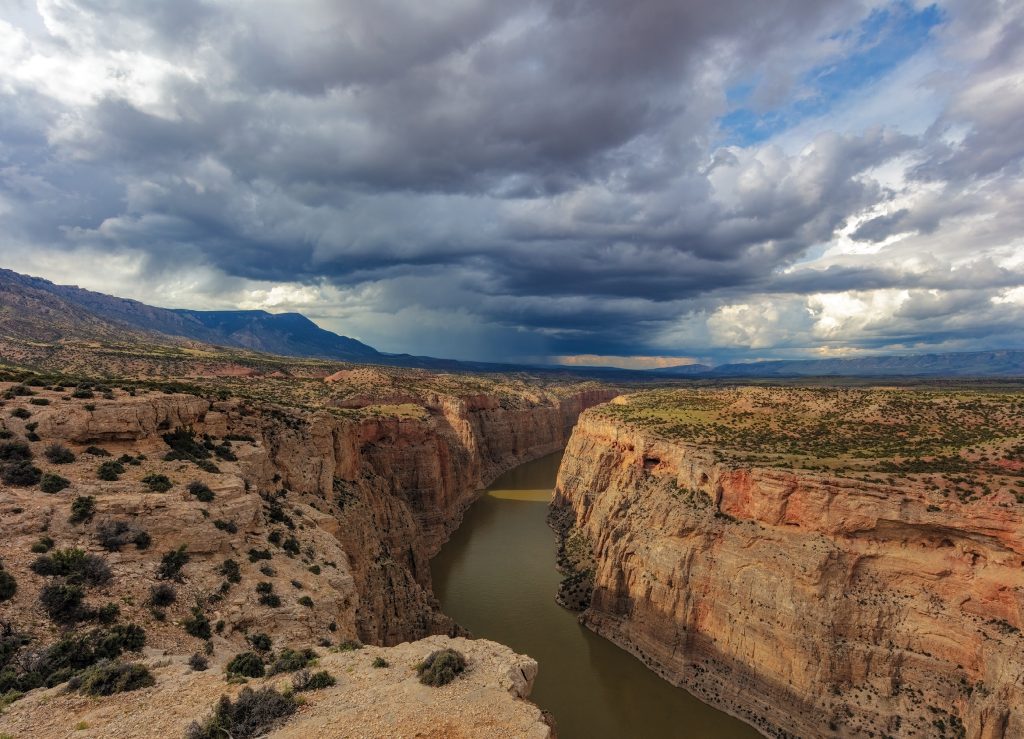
<point x="810" y="590"/>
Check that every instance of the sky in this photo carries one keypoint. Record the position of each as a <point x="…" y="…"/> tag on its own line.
<point x="583" y="181"/>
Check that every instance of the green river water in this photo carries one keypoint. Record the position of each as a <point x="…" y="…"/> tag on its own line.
<point x="497" y="577"/>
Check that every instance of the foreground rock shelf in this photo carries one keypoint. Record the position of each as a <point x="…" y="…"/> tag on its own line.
<point x="367" y="703"/>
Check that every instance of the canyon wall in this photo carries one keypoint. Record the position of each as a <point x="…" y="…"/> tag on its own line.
<point x="807" y="604"/>
<point x="376" y="494"/>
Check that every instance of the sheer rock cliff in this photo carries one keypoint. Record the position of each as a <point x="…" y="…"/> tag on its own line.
<point x="808" y="604"/>
<point x="375" y="495"/>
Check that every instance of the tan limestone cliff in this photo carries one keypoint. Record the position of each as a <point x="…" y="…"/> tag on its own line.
<point x="808" y="604"/>
<point x="335" y="512"/>
<point x="374" y="496"/>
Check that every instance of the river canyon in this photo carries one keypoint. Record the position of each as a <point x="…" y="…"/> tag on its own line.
<point x="803" y="595"/>
<point x="497" y="577"/>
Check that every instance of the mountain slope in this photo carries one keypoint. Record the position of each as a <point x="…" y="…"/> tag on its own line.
<point x="288" y="334"/>
<point x="40" y="329"/>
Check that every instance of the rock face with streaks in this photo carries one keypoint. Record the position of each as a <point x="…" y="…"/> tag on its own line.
<point x="289" y="527"/>
<point x="807" y="603"/>
<point x="375" y="495"/>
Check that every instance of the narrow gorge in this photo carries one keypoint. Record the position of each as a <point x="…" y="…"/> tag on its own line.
<point x="347" y="505"/>
<point x="388" y="489"/>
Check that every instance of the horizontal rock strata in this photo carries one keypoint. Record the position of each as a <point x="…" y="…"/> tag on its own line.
<point x="806" y="603"/>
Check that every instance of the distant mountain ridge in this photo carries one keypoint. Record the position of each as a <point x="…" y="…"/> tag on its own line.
<point x="34" y="309"/>
<point x="1003" y="363"/>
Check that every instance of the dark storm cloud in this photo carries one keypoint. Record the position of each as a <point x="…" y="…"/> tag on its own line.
<point x="882" y="227"/>
<point x="549" y="168"/>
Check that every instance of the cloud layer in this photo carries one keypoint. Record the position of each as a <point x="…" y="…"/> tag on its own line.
<point x="493" y="180"/>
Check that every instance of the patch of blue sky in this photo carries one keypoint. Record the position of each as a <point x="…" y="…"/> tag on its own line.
<point x="887" y="38"/>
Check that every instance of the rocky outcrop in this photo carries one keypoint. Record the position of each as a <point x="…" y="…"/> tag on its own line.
<point x="808" y="604"/>
<point x="387" y="489"/>
<point x="487" y="701"/>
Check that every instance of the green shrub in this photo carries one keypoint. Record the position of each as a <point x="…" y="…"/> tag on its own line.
<point x="246" y="664"/>
<point x="63" y="659"/>
<point x="172" y="562"/>
<point x="82" y="509"/>
<point x="231" y="571"/>
<point x="198" y="662"/>
<point x="97" y="451"/>
<point x="77" y="566"/>
<point x="252" y="714"/>
<point x="229" y="527"/>
<point x="267" y="595"/>
<point x="110" y="470"/>
<point x="260" y="642"/>
<point x="108" y="613"/>
<point x="59" y="454"/>
<point x="162" y="595"/>
<point x="114" y="534"/>
<point x="304" y="680"/>
<point x="21" y="474"/>
<point x="42" y="545"/>
<point x="290" y="660"/>
<point x="201" y="491"/>
<point x="157" y="483"/>
<point x="108" y="678"/>
<point x="21" y="413"/>
<point x="441" y="667"/>
<point x="39" y="401"/>
<point x="306" y="601"/>
<point x="256" y="555"/>
<point x="197" y="625"/>
<point x="8" y="585"/>
<point x="52" y="483"/>
<point x="62" y="602"/>
<point x="82" y="393"/>
<point x="380" y="662"/>
<point x="184" y="446"/>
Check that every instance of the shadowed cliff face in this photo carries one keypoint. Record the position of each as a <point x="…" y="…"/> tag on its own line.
<point x="808" y="604"/>
<point x="381" y="492"/>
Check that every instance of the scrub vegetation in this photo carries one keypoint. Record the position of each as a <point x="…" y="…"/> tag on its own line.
<point x="966" y="442"/>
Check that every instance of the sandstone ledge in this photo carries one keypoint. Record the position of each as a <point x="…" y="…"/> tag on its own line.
<point x="488" y="700"/>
